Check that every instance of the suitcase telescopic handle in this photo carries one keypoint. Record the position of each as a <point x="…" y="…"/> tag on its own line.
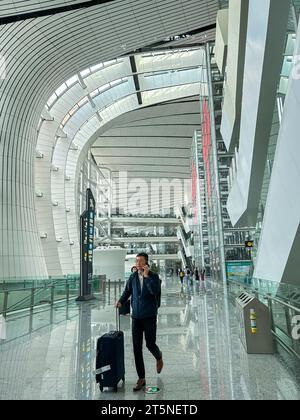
<point x="118" y="318"/>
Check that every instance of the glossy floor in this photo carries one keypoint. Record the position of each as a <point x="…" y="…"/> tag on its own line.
<point x="51" y="355"/>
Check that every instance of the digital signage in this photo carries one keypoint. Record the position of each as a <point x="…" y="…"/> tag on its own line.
<point x="87" y="228"/>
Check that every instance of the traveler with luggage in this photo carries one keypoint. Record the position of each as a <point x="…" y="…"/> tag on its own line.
<point x="144" y="288"/>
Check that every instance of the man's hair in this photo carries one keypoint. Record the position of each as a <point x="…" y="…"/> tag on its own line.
<point x="143" y="254"/>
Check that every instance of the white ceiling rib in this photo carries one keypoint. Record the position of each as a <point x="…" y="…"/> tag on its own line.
<point x="42" y="53"/>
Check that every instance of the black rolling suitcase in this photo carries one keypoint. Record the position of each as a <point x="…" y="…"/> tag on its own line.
<point x="110" y="368"/>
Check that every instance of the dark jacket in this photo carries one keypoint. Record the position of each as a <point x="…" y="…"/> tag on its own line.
<point x="144" y="302"/>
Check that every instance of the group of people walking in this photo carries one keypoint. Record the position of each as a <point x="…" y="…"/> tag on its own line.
<point x="188" y="275"/>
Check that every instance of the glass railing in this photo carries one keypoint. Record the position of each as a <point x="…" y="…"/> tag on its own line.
<point x="150" y="216"/>
<point x="143" y="235"/>
<point x="28" y="283"/>
<point x="288" y="293"/>
<point x="283" y="301"/>
<point x="26" y="294"/>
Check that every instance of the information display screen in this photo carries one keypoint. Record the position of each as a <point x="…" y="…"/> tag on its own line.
<point x="87" y="223"/>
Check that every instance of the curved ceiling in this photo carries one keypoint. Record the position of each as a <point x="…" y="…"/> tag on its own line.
<point x="150" y="147"/>
<point x="40" y="53"/>
<point x="153" y="142"/>
<point x="96" y="103"/>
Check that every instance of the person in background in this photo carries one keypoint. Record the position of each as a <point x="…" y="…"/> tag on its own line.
<point x="144" y="288"/>
<point x="202" y="283"/>
<point x="197" y="278"/>
<point x="181" y="276"/>
<point x="187" y="278"/>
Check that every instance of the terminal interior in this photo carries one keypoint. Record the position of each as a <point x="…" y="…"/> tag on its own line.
<point x="169" y="129"/>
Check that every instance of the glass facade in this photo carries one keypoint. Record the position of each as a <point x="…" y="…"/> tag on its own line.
<point x="200" y="233"/>
<point x="221" y="242"/>
<point x="287" y="61"/>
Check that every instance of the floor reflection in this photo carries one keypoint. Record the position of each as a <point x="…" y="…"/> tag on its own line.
<point x="50" y="353"/>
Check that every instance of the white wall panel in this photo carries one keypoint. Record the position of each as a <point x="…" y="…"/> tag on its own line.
<point x="59" y="212"/>
<point x="221" y="39"/>
<point x="233" y="86"/>
<point x="265" y="41"/>
<point x="279" y="246"/>
<point x="43" y="205"/>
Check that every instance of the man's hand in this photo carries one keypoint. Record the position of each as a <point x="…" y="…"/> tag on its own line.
<point x="146" y="270"/>
<point x="118" y="304"/>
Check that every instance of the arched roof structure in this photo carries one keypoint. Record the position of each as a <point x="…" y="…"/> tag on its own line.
<point x="42" y="51"/>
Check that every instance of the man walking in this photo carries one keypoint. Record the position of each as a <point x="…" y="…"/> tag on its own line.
<point x="144" y="288"/>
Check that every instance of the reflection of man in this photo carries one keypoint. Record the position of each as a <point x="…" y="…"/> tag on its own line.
<point x="144" y="287"/>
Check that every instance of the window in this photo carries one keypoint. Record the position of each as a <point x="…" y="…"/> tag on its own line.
<point x="85" y="72"/>
<point x="109" y="63"/>
<point x="73" y="110"/>
<point x="96" y="67"/>
<point x="39" y="124"/>
<point x="94" y="93"/>
<point x="82" y="101"/>
<point x="65" y="120"/>
<point x="115" y="82"/>
<point x="51" y="100"/>
<point x="103" y="87"/>
<point x="61" y="89"/>
<point x="72" y="81"/>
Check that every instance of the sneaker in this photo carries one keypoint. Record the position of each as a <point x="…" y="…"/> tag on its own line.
<point x="141" y="383"/>
<point x="159" y="364"/>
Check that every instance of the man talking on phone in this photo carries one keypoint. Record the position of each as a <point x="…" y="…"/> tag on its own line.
<point x="144" y="288"/>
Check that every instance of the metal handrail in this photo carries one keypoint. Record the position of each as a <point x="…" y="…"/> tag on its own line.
<point x="34" y="292"/>
<point x="44" y="282"/>
<point x="257" y="290"/>
<point x="29" y="288"/>
<point x="283" y="303"/>
<point x="31" y="298"/>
